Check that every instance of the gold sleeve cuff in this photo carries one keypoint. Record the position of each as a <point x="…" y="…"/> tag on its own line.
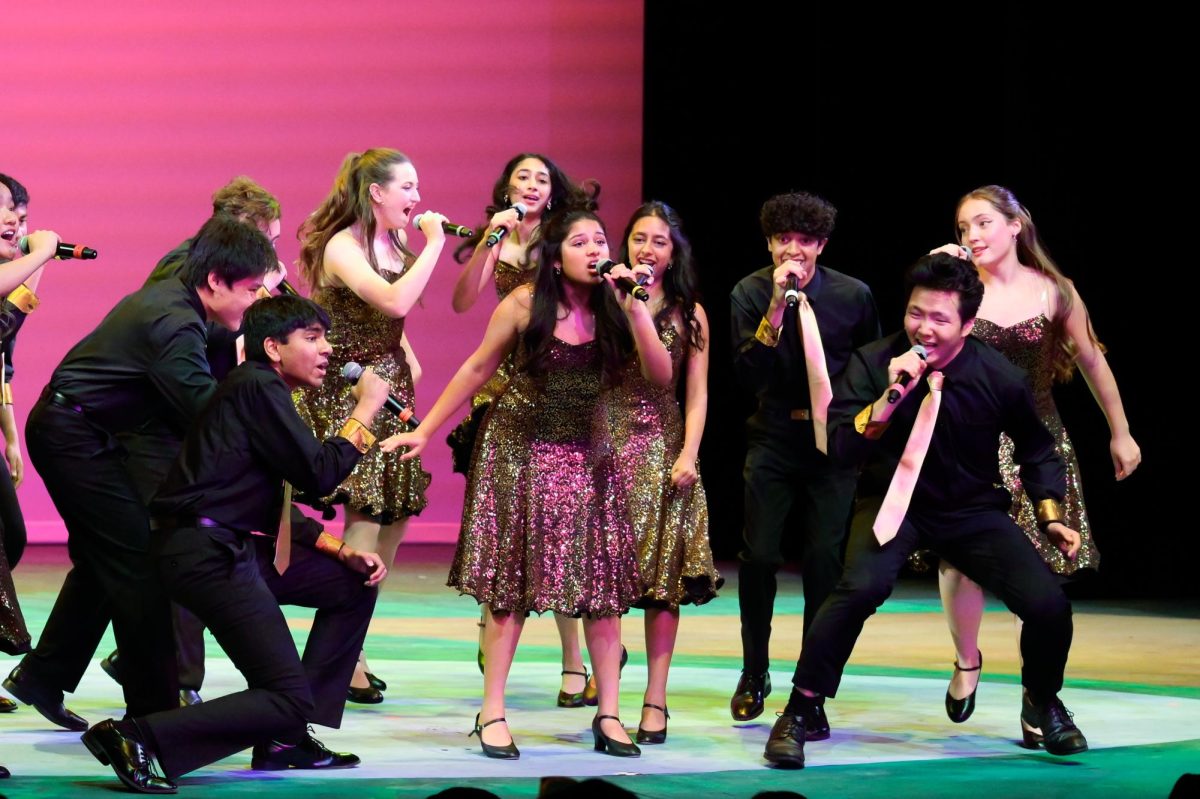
<point x="24" y="299"/>
<point x="864" y="425"/>
<point x="329" y="545"/>
<point x="767" y="334"/>
<point x="357" y="434"/>
<point x="1048" y="510"/>
<point x="6" y="395"/>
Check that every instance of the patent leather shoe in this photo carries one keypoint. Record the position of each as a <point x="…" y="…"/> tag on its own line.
<point x="128" y="757"/>
<point x="4" y="773"/>
<point x="508" y="751"/>
<point x="747" y="700"/>
<point x="48" y="702"/>
<point x="645" y="736"/>
<point x="608" y="745"/>
<point x="376" y="683"/>
<point x="576" y="699"/>
<point x="308" y="754"/>
<point x="785" y="746"/>
<point x="189" y="697"/>
<point x="111" y="666"/>
<point x="364" y="696"/>
<point x="816" y="723"/>
<point x="1051" y="725"/>
<point x="7" y="705"/>
<point x="959" y="710"/>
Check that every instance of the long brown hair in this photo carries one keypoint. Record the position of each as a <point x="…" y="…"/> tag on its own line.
<point x="349" y="203"/>
<point x="1032" y="253"/>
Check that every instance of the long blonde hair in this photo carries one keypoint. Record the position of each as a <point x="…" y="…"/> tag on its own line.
<point x="1032" y="253"/>
<point x="349" y="203"/>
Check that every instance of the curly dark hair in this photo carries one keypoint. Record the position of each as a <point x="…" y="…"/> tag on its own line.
<point x="798" y="212"/>
<point x="680" y="289"/>
<point x="20" y="195"/>
<point x="942" y="272"/>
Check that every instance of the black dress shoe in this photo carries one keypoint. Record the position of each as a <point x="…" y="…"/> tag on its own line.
<point x="785" y="746"/>
<point x="608" y="745"/>
<point x="1058" y="735"/>
<point x="816" y="724"/>
<point x="375" y="682"/>
<point x="189" y="697"/>
<point x="7" y="705"/>
<point x="46" y="701"/>
<point x="645" y="736"/>
<point x="591" y="694"/>
<point x="308" y="754"/>
<point x="577" y="699"/>
<point x="4" y="773"/>
<point x="111" y="666"/>
<point x="959" y="710"/>
<point x="508" y="751"/>
<point x="747" y="700"/>
<point x="364" y="696"/>
<point x="133" y="765"/>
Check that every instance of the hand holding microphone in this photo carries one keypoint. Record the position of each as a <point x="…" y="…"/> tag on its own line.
<point x="353" y="372"/>
<point x="461" y="231"/>
<point x="624" y="282"/>
<point x="500" y="231"/>
<point x="40" y="238"/>
<point x="909" y="365"/>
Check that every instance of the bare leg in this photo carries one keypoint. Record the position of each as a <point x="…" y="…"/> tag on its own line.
<point x="572" y="659"/>
<point x="367" y="535"/>
<point x="604" y="649"/>
<point x="661" y="628"/>
<point x="962" y="601"/>
<point x="501" y="632"/>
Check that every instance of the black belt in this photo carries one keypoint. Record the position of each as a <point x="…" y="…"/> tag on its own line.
<point x="175" y="522"/>
<point x="62" y="400"/>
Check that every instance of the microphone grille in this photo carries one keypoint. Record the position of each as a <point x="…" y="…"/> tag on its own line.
<point x="521" y="209"/>
<point x="919" y="349"/>
<point x="352" y="371"/>
<point x="604" y="266"/>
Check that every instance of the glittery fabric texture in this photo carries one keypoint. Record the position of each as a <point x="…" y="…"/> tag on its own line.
<point x="381" y="484"/>
<point x="14" y="637"/>
<point x="545" y="525"/>
<point x="671" y="523"/>
<point x="508" y="278"/>
<point x="1029" y="345"/>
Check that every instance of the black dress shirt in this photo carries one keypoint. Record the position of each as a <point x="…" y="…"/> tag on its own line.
<point x="244" y="444"/>
<point x="983" y="395"/>
<point x="145" y="359"/>
<point x="777" y="376"/>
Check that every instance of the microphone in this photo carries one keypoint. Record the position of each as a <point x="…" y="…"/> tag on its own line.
<point x="64" y="250"/>
<point x="625" y="283"/>
<point x="285" y="287"/>
<point x="792" y="295"/>
<point x="352" y="372"/>
<point x="494" y="237"/>
<point x="893" y="395"/>
<point x="454" y="230"/>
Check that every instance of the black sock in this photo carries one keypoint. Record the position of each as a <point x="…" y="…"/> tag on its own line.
<point x="801" y="705"/>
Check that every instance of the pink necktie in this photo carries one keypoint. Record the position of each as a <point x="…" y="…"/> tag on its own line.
<point x="899" y="493"/>
<point x="283" y="540"/>
<point x="819" y="390"/>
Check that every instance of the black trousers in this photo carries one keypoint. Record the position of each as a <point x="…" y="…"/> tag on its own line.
<point x="783" y="468"/>
<point x="12" y="523"/>
<point x="986" y="546"/>
<point x="227" y="580"/>
<point x="112" y="576"/>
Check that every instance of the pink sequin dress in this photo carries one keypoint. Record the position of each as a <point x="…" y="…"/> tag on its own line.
<point x="545" y="525"/>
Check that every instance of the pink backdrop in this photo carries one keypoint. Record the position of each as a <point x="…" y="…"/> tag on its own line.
<point x="123" y="117"/>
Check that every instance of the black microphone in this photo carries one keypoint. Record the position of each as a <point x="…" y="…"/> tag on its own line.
<point x="893" y="395"/>
<point x="285" y="287"/>
<point x="64" y="250"/>
<point x="494" y="237"/>
<point x="352" y="371"/>
<point x="625" y="283"/>
<point x="792" y="295"/>
<point x="454" y="230"/>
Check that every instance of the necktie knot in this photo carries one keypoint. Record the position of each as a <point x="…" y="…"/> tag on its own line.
<point x="935" y="380"/>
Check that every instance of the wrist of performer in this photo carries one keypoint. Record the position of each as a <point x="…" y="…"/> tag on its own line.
<point x="23" y="299"/>
<point x="1048" y="511"/>
<point x="357" y="434"/>
<point x="767" y="333"/>
<point x="871" y="421"/>
<point x="6" y="394"/>
<point x="331" y="546"/>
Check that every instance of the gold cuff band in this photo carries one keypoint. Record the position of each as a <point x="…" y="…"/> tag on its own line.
<point x="329" y="545"/>
<point x="357" y="434"/>
<point x="24" y="299"/>
<point x="767" y="334"/>
<point x="800" y="414"/>
<point x="864" y="425"/>
<point x="6" y="395"/>
<point x="1048" y="510"/>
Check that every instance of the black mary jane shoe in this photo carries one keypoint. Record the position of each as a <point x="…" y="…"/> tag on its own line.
<point x="7" y="705"/>
<point x="591" y="694"/>
<point x="577" y="699"/>
<point x="364" y="696"/>
<point x="375" y="682"/>
<point x="508" y="751"/>
<point x="645" y="736"/>
<point x="608" y="745"/>
<point x="959" y="710"/>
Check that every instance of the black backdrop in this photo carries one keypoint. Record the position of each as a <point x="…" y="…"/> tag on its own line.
<point x="892" y="116"/>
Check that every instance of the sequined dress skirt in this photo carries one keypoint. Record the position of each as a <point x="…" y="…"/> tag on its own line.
<point x="545" y="526"/>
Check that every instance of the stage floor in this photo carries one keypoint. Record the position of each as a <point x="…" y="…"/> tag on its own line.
<point x="1133" y="684"/>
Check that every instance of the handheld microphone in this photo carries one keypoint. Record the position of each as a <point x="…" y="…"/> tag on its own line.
<point x="352" y="372"/>
<point x="285" y="287"/>
<point x="494" y="237"/>
<point x="792" y="295"/>
<point x="625" y="283"/>
<point x="64" y="251"/>
<point x="893" y="395"/>
<point x="454" y="230"/>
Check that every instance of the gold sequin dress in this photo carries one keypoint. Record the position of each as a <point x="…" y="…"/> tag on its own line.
<point x="381" y="485"/>
<point x="544" y="524"/>
<point x="508" y="278"/>
<point x="671" y="523"/>
<point x="1030" y="345"/>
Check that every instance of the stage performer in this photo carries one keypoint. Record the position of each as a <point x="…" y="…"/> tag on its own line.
<point x="939" y="440"/>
